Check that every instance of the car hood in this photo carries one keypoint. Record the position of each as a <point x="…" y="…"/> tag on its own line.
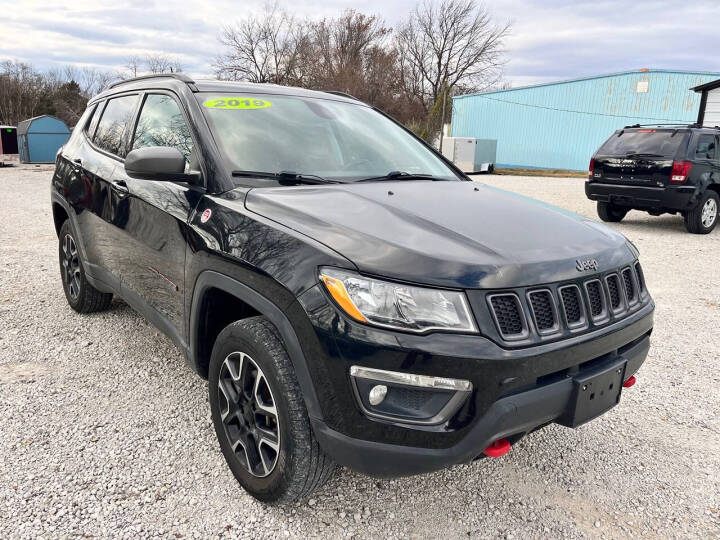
<point x="450" y="234"/>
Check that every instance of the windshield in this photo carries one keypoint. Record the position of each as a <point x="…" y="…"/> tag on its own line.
<point x="659" y="143"/>
<point x="330" y="139"/>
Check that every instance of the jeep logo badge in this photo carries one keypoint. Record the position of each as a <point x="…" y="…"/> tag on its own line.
<point x="583" y="265"/>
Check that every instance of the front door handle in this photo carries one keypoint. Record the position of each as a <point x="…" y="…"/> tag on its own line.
<point x="120" y="186"/>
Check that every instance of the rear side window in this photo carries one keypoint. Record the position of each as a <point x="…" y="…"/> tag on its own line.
<point x="111" y="128"/>
<point x="706" y="147"/>
<point x="162" y="123"/>
<point x="650" y="142"/>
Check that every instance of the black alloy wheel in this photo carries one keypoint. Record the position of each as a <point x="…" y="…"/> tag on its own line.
<point x="249" y="414"/>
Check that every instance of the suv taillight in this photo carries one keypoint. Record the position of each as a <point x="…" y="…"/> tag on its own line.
<point x="591" y="170"/>
<point x="680" y="171"/>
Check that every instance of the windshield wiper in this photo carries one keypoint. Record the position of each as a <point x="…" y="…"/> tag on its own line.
<point x="286" y="177"/>
<point x="400" y="175"/>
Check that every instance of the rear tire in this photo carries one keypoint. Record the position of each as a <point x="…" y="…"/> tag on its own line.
<point x="611" y="213"/>
<point x="260" y="417"/>
<point x="82" y="297"/>
<point x="704" y="217"/>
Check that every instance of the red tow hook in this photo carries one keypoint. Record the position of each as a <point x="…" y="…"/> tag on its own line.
<point x="630" y="382"/>
<point x="497" y="448"/>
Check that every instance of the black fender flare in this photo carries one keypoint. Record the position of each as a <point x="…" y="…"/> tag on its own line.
<point x="211" y="279"/>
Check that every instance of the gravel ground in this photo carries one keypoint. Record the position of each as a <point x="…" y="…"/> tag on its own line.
<point x="105" y="432"/>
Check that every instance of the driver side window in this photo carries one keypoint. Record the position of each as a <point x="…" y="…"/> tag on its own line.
<point x="162" y="123"/>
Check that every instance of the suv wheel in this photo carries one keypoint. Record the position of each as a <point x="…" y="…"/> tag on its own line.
<point x="703" y="218"/>
<point x="82" y="297"/>
<point x="260" y="417"/>
<point x="610" y="212"/>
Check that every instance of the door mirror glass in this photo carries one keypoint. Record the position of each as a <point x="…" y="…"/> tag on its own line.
<point x="158" y="163"/>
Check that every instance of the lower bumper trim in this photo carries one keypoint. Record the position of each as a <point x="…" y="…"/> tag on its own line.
<point x="509" y="416"/>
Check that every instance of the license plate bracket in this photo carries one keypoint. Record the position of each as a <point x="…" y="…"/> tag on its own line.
<point x="594" y="393"/>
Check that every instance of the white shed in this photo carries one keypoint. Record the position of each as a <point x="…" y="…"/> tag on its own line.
<point x="709" y="104"/>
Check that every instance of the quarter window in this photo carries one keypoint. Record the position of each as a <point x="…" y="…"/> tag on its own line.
<point x="111" y="128"/>
<point x="706" y="147"/>
<point x="162" y="123"/>
<point x="91" y="120"/>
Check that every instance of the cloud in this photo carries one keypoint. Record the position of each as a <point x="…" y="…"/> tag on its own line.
<point x="550" y="40"/>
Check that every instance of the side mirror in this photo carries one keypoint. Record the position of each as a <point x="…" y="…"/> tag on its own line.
<point x="158" y="163"/>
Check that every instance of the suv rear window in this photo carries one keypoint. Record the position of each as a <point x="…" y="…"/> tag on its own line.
<point x="651" y="142"/>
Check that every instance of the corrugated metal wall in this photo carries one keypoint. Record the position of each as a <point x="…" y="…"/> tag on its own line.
<point x="561" y="125"/>
<point x="712" y="108"/>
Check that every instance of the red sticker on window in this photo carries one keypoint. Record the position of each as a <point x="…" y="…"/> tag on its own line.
<point x="205" y="216"/>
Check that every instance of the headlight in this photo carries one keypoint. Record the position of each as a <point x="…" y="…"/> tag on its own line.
<point x="393" y="305"/>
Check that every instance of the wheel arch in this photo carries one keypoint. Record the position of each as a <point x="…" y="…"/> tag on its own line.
<point x="211" y="283"/>
<point x="60" y="215"/>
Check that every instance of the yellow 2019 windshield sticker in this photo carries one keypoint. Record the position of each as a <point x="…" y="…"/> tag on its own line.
<point x="236" y="102"/>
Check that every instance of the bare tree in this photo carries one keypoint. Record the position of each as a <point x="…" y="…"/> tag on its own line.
<point x="342" y="48"/>
<point x="63" y="91"/>
<point x="263" y="49"/>
<point x="133" y="65"/>
<point x="453" y="45"/>
<point x="22" y="90"/>
<point x="162" y="63"/>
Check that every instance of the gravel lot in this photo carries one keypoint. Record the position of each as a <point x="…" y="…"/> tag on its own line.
<point x="105" y="432"/>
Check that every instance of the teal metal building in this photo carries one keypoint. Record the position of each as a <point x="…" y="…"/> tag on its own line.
<point x="560" y="125"/>
<point x="40" y="137"/>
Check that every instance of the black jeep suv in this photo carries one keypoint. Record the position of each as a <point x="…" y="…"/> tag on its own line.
<point x="660" y="169"/>
<point x="350" y="295"/>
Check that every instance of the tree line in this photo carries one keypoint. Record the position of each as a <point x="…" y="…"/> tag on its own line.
<point x="410" y="71"/>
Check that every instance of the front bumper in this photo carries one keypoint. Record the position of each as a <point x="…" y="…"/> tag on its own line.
<point x="675" y="198"/>
<point x="514" y="390"/>
<point x="511" y="417"/>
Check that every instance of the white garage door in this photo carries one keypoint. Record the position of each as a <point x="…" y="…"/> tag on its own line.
<point x="712" y="108"/>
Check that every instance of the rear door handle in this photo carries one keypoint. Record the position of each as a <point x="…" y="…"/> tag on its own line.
<point x="120" y="186"/>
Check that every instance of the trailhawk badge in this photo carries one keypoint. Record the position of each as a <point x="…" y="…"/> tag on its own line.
<point x="583" y="265"/>
<point x="205" y="215"/>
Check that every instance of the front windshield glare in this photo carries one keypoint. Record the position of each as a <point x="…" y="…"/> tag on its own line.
<point x="331" y="139"/>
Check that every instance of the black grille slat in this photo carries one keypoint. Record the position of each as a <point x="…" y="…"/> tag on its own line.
<point x="542" y="306"/>
<point x="629" y="285"/>
<point x="508" y="314"/>
<point x="595" y="295"/>
<point x="640" y="276"/>
<point x="614" y="290"/>
<point x="571" y="304"/>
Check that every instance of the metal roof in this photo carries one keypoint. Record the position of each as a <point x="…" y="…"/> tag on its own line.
<point x="707" y="86"/>
<point x="604" y="76"/>
<point x="24" y="126"/>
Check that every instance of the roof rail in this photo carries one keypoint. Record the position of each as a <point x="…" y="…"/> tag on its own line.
<point x="343" y="94"/>
<point x="694" y="125"/>
<point x="177" y="76"/>
<point x="660" y="125"/>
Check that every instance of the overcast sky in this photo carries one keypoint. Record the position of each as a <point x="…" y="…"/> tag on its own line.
<point x="551" y="39"/>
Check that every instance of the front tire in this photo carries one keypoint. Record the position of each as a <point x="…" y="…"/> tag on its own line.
<point x="611" y="213"/>
<point x="260" y="417"/>
<point x="704" y="217"/>
<point x="82" y="297"/>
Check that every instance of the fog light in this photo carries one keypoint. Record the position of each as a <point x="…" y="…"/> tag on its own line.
<point x="408" y="398"/>
<point x="377" y="394"/>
